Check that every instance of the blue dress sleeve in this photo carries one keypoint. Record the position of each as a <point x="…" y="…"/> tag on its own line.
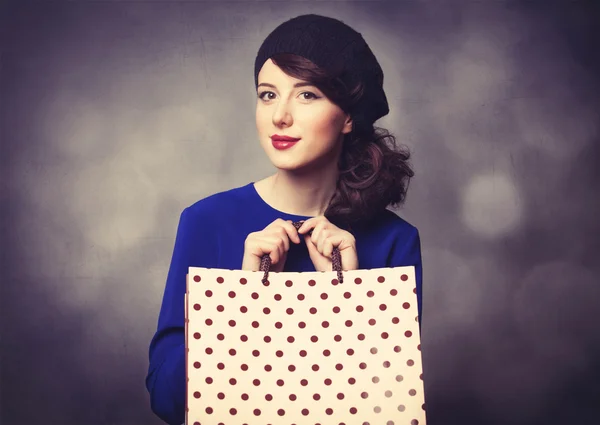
<point x="407" y="252"/>
<point x="165" y="381"/>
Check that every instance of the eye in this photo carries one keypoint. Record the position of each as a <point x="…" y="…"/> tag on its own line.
<point x="261" y="94"/>
<point x="314" y="96"/>
<point x="311" y="95"/>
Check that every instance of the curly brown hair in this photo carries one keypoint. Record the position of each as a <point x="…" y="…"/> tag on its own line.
<point x="374" y="172"/>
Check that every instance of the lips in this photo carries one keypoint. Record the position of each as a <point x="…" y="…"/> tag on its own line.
<point x="278" y="138"/>
<point x="283" y="144"/>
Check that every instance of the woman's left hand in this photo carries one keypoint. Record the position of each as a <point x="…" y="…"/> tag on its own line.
<point x="325" y="236"/>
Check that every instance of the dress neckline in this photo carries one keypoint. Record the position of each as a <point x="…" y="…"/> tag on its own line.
<point x="293" y="217"/>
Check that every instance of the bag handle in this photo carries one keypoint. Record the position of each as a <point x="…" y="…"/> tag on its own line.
<point x="265" y="262"/>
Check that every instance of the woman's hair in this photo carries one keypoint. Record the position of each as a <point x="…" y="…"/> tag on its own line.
<point x="373" y="172"/>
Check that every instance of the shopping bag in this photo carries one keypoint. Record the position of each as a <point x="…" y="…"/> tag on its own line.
<point x="303" y="347"/>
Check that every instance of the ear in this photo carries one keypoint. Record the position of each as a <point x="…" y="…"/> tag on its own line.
<point x="347" y="125"/>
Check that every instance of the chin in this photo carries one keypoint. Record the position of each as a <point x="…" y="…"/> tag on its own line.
<point x="284" y="160"/>
<point x="288" y="166"/>
<point x="298" y="168"/>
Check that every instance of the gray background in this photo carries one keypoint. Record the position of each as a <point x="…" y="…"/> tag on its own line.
<point x="115" y="115"/>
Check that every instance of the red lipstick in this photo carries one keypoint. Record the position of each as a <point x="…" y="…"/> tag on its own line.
<point x="283" y="142"/>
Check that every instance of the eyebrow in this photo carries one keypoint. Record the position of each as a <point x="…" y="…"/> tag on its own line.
<point x="301" y="84"/>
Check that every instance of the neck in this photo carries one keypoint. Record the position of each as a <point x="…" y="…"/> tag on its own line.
<point x="302" y="194"/>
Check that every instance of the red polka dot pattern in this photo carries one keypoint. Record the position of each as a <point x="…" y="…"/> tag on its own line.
<point x="304" y="349"/>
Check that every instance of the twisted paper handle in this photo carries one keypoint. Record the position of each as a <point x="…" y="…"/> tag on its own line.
<point x="265" y="262"/>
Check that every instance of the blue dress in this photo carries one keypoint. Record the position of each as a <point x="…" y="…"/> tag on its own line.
<point x="211" y="233"/>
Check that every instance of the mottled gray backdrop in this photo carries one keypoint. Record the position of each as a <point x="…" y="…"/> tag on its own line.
<point x="115" y="115"/>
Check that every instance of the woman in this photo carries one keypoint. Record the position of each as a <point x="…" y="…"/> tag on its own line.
<point x="319" y="91"/>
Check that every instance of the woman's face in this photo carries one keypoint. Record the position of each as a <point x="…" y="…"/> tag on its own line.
<point x="300" y="112"/>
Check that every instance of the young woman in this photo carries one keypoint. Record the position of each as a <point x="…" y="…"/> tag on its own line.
<point x="319" y="91"/>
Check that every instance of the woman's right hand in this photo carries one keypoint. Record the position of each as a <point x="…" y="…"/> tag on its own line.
<point x="273" y="240"/>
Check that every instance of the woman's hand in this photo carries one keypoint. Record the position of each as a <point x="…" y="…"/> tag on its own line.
<point x="273" y="240"/>
<point x="325" y="236"/>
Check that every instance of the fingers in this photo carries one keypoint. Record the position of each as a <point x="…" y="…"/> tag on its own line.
<point x="275" y="239"/>
<point x="319" y="237"/>
<point x="321" y="230"/>
<point x="281" y="237"/>
<point x="326" y="236"/>
<point x="310" y="224"/>
<point x="260" y="243"/>
<point x="276" y="247"/>
<point x="285" y="228"/>
<point x="291" y="231"/>
<point x="310" y="245"/>
<point x="327" y="243"/>
<point x="305" y="225"/>
<point x="328" y="248"/>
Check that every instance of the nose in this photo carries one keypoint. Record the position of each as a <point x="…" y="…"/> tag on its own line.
<point x="282" y="114"/>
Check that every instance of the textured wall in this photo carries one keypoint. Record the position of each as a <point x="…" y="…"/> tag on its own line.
<point x="115" y="115"/>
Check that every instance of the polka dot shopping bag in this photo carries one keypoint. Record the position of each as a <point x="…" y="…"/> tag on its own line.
<point x="307" y="348"/>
